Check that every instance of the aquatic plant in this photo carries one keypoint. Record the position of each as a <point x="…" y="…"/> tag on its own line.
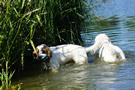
<point x="6" y="79"/>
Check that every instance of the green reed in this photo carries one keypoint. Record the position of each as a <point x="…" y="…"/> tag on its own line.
<point x="27" y="22"/>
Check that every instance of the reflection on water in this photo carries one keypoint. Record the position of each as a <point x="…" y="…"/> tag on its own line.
<point x="121" y="32"/>
<point x="117" y="20"/>
<point x="98" y="75"/>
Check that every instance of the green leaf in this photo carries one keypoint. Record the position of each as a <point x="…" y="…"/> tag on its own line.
<point x="80" y="15"/>
<point x="11" y="74"/>
<point x="23" y="3"/>
<point x="39" y="20"/>
<point x="32" y="44"/>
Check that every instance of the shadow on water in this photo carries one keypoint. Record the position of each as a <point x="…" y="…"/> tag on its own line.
<point x="116" y="19"/>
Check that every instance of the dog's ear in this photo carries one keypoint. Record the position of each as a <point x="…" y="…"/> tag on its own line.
<point x="50" y="53"/>
<point x="35" y="53"/>
<point x="47" y="51"/>
<point x="44" y="45"/>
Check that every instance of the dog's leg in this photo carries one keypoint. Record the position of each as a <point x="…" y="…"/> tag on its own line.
<point x="54" y="64"/>
<point x="81" y="58"/>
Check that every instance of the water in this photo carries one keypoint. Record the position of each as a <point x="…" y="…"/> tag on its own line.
<point x="116" y="18"/>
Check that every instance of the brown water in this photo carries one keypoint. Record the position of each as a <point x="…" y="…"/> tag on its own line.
<point x="117" y="20"/>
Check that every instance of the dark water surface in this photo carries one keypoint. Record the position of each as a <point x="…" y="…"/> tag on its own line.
<point x="116" y="18"/>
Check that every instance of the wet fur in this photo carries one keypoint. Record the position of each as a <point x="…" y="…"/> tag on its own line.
<point x="107" y="51"/>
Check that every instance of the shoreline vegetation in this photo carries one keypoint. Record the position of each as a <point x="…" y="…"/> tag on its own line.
<point x="51" y="22"/>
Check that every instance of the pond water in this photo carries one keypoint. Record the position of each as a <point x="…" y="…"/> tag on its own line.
<point x="116" y="18"/>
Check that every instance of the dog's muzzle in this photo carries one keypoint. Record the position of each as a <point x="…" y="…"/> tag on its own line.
<point x="40" y="56"/>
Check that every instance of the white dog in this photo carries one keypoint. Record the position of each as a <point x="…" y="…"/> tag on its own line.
<point x="108" y="52"/>
<point x="62" y="54"/>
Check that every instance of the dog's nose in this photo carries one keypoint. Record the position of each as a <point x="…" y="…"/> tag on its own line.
<point x="41" y="56"/>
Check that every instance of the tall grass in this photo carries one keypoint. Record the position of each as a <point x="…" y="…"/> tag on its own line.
<point x="59" y="21"/>
<point x="41" y="21"/>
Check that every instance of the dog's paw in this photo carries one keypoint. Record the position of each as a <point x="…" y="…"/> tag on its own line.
<point x="54" y="70"/>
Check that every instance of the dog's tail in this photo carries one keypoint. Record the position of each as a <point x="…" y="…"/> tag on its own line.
<point x="92" y="49"/>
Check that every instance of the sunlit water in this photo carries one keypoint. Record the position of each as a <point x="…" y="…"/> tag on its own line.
<point x="117" y="20"/>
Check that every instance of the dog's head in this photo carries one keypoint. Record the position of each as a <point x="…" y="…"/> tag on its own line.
<point x="41" y="51"/>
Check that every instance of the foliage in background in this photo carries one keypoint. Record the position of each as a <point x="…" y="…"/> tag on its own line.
<point x="59" y="21"/>
<point x="43" y="21"/>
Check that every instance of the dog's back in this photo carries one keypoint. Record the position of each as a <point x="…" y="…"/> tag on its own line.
<point x="111" y="53"/>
